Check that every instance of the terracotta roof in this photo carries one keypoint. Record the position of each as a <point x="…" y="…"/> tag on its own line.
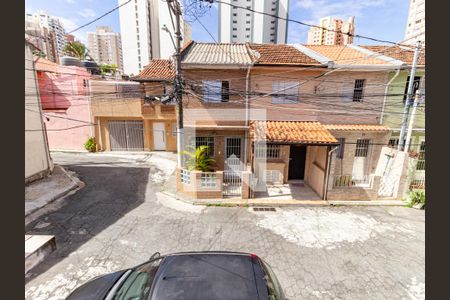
<point x="157" y="69"/>
<point x="356" y="127"/>
<point x="292" y="132"/>
<point x="216" y="54"/>
<point x="45" y="65"/>
<point x="400" y="53"/>
<point x="343" y="55"/>
<point x="276" y="54"/>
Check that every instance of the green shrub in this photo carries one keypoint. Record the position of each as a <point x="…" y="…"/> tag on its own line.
<point x="90" y="145"/>
<point x="416" y="196"/>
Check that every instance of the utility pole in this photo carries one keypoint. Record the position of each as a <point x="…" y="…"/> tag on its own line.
<point x="409" y="95"/>
<point x="174" y="6"/>
<point x="411" y="120"/>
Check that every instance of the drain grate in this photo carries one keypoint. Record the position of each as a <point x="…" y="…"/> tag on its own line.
<point x="264" y="209"/>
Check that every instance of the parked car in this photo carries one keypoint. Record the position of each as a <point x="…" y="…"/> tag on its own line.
<point x="188" y="275"/>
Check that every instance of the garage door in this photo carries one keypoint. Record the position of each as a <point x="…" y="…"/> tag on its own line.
<point x="126" y="135"/>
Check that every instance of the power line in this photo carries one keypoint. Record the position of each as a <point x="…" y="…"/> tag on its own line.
<point x="96" y="19"/>
<point x="311" y="25"/>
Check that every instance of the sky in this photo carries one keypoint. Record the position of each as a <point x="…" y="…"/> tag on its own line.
<point x="382" y="19"/>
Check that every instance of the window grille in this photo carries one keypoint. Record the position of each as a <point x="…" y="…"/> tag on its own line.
<point x="421" y="160"/>
<point x="267" y="151"/>
<point x="393" y="143"/>
<point x="362" y="148"/>
<point x="285" y="92"/>
<point x="358" y="90"/>
<point x="205" y="141"/>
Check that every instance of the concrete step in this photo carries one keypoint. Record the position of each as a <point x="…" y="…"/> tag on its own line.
<point x="37" y="248"/>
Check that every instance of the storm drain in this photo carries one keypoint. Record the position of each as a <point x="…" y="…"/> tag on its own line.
<point x="264" y="209"/>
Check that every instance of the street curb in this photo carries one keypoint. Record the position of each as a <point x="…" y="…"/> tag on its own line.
<point x="367" y="203"/>
<point x="35" y="213"/>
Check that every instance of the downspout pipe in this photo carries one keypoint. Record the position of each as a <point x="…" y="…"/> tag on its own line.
<point x="386" y="93"/>
<point x="327" y="178"/>
<point x="247" y="112"/>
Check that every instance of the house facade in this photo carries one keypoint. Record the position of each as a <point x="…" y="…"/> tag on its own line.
<point x="285" y="117"/>
<point x="65" y="99"/>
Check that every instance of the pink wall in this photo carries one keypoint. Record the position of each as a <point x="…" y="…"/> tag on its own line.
<point x="64" y="92"/>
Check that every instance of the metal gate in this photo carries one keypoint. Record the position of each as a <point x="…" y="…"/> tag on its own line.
<point x="126" y="135"/>
<point x="232" y="183"/>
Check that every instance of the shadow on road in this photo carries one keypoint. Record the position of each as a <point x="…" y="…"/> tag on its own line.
<point x="109" y="193"/>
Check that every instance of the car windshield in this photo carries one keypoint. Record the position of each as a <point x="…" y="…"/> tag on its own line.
<point x="273" y="286"/>
<point x="139" y="282"/>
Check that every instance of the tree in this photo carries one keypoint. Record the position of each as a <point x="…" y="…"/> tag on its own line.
<point x="76" y="49"/>
<point x="105" y="68"/>
<point x="198" y="159"/>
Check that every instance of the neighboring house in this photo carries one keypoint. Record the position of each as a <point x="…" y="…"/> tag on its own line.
<point x="128" y="120"/>
<point x="302" y="117"/>
<point x="395" y="101"/>
<point x="65" y="100"/>
<point x="38" y="162"/>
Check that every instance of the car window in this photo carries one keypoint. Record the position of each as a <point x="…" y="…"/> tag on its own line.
<point x="138" y="284"/>
<point x="273" y="286"/>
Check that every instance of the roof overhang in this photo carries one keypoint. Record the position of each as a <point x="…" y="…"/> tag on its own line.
<point x="216" y="66"/>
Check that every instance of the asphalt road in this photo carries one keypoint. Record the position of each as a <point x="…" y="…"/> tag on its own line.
<point x="119" y="220"/>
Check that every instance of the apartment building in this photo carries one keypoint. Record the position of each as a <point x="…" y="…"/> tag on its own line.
<point x="43" y="39"/>
<point x="332" y="31"/>
<point x="416" y="22"/>
<point x="239" y="25"/>
<point x="43" y="21"/>
<point x="142" y="33"/>
<point x="105" y="47"/>
<point x="273" y="122"/>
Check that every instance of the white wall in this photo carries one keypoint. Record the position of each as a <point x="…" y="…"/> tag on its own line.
<point x="37" y="158"/>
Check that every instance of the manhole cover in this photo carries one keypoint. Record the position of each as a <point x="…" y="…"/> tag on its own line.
<point x="264" y="209"/>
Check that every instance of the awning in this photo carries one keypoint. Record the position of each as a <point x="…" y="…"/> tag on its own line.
<point x="291" y="132"/>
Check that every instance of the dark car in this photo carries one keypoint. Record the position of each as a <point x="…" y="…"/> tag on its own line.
<point x="188" y="275"/>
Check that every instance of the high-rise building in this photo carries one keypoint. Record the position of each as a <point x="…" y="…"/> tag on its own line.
<point x="238" y="25"/>
<point x="105" y="47"/>
<point x="142" y="33"/>
<point x="52" y="24"/>
<point x="43" y="39"/>
<point x="332" y="32"/>
<point x="416" y="22"/>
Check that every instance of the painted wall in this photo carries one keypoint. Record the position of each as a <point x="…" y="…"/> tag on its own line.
<point x="66" y="99"/>
<point x="37" y="157"/>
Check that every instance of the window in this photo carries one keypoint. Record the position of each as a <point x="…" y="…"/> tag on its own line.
<point x="234" y="35"/>
<point x="235" y="15"/>
<point x="415" y="87"/>
<point x="340" y="150"/>
<point x="185" y="176"/>
<point x="234" y="28"/>
<point x="285" y="92"/>
<point x="205" y="141"/>
<point x="216" y="91"/>
<point x="248" y="15"/>
<point x="247" y="29"/>
<point x="358" y="90"/>
<point x="234" y="21"/>
<point x="421" y="159"/>
<point x="247" y="36"/>
<point x="393" y="143"/>
<point x="267" y="151"/>
<point x="362" y="148"/>
<point x="247" y="22"/>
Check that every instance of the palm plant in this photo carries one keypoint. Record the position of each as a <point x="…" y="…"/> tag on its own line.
<point x="198" y="159"/>
<point x="76" y="49"/>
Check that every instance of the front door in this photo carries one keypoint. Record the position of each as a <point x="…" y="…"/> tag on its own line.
<point x="233" y="154"/>
<point x="159" y="136"/>
<point x="297" y="159"/>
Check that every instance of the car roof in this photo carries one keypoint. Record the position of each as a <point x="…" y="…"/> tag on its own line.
<point x="209" y="275"/>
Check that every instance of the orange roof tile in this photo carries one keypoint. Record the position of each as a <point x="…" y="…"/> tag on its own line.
<point x="275" y="54"/>
<point x="343" y="55"/>
<point x="399" y="53"/>
<point x="356" y="127"/>
<point x="157" y="69"/>
<point x="291" y="132"/>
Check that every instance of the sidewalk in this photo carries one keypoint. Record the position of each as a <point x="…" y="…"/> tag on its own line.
<point x="42" y="192"/>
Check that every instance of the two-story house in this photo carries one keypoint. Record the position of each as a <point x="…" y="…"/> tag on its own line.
<point x="303" y="117"/>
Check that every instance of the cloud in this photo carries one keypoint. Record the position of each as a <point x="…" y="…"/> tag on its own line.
<point x="87" y="13"/>
<point x="70" y="1"/>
